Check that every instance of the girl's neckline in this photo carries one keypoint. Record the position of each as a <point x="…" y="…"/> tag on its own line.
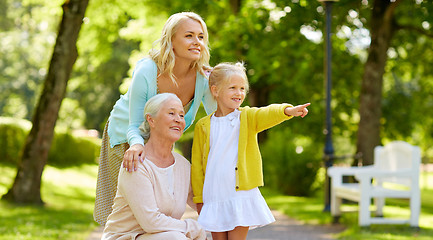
<point x="235" y="113"/>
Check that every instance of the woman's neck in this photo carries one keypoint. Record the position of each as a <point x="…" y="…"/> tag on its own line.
<point x="182" y="69"/>
<point x="159" y="152"/>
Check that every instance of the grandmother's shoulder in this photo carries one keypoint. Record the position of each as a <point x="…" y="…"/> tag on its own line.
<point x="181" y="159"/>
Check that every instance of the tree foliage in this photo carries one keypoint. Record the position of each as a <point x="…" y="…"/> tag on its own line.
<point x="27" y="36"/>
<point x="280" y="41"/>
<point x="26" y="186"/>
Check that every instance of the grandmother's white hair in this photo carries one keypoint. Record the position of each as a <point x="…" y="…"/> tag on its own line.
<point x="152" y="107"/>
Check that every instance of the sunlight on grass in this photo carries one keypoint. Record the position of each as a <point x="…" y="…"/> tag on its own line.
<point x="306" y="210"/>
<point x="67" y="214"/>
<point x="426" y="180"/>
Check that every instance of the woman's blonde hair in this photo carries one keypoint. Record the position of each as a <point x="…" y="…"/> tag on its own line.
<point x="222" y="73"/>
<point x="164" y="56"/>
<point x="152" y="107"/>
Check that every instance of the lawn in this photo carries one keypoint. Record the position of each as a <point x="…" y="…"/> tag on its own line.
<point x="69" y="197"/>
<point x="67" y="214"/>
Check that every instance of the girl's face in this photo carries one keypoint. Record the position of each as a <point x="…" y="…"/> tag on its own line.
<point x="188" y="41"/>
<point x="230" y="95"/>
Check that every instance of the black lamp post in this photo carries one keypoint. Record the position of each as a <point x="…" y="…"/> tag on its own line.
<point x="329" y="149"/>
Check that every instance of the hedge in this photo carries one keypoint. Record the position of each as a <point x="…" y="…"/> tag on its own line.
<point x="66" y="149"/>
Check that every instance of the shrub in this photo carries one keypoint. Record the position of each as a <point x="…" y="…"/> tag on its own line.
<point x="12" y="136"/>
<point x="290" y="163"/>
<point x="66" y="149"/>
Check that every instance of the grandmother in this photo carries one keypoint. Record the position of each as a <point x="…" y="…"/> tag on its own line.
<point x="150" y="202"/>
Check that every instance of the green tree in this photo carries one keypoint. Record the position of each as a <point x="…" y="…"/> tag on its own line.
<point x="387" y="19"/>
<point x="26" y="187"/>
<point x="22" y="26"/>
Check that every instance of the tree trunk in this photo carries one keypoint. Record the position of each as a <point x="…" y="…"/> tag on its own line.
<point x="236" y="6"/>
<point x="381" y="30"/>
<point x="26" y="187"/>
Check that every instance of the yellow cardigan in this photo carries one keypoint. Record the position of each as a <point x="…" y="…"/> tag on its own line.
<point x="249" y="173"/>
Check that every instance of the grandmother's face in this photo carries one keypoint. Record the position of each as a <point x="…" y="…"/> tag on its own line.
<point x="169" y="123"/>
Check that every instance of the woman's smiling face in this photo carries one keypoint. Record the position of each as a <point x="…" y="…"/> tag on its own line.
<point x="188" y="41"/>
<point x="169" y="122"/>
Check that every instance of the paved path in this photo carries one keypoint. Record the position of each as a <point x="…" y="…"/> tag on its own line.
<point x="283" y="228"/>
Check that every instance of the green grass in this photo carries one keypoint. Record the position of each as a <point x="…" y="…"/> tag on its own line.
<point x="310" y="211"/>
<point x="69" y="197"/>
<point x="67" y="214"/>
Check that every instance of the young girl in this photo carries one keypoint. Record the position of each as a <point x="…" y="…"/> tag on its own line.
<point x="226" y="161"/>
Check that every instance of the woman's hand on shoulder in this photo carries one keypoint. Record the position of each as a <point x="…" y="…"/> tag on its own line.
<point x="134" y="154"/>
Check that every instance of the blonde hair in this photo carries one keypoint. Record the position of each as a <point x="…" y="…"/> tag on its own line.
<point x="222" y="73"/>
<point x="164" y="56"/>
<point x="152" y="107"/>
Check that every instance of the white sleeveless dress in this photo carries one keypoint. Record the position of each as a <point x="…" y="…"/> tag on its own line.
<point x="224" y="208"/>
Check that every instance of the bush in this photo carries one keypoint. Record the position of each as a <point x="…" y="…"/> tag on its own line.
<point x="66" y="149"/>
<point x="12" y="136"/>
<point x="290" y="163"/>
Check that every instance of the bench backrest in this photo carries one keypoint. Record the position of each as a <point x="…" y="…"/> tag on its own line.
<point x="398" y="155"/>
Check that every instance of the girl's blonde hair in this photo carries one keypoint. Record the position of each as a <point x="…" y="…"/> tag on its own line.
<point x="164" y="56"/>
<point x="222" y="73"/>
<point x="152" y="107"/>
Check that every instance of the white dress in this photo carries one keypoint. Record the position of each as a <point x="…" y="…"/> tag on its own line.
<point x="224" y="208"/>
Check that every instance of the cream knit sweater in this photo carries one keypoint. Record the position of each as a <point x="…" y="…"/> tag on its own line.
<point x="143" y="206"/>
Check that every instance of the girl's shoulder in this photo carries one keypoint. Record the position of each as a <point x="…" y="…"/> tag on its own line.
<point x="204" y="120"/>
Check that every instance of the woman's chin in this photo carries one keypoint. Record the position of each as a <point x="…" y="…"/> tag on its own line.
<point x="175" y="136"/>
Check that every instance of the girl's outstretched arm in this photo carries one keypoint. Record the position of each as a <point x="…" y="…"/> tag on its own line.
<point x="296" y="111"/>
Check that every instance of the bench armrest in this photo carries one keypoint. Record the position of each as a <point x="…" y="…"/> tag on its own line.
<point x="337" y="173"/>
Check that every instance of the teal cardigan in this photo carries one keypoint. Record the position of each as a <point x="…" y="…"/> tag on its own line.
<point x="127" y="113"/>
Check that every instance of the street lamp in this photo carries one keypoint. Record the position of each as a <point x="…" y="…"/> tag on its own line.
<point x="329" y="149"/>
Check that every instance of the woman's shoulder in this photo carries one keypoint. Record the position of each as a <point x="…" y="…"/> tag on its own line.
<point x="146" y="66"/>
<point x="181" y="160"/>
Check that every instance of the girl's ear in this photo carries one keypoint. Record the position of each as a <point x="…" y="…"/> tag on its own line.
<point x="214" y="91"/>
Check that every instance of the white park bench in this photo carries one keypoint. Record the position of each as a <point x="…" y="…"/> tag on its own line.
<point x="395" y="174"/>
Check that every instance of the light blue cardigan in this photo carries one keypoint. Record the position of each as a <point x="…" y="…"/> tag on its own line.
<point x="127" y="113"/>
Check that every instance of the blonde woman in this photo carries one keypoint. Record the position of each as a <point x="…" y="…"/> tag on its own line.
<point x="178" y="66"/>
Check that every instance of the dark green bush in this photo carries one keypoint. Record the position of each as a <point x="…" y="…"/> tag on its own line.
<point x="66" y="149"/>
<point x="290" y="163"/>
<point x="12" y="136"/>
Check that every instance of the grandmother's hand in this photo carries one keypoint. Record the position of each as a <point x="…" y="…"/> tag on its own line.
<point x="194" y="230"/>
<point x="134" y="154"/>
